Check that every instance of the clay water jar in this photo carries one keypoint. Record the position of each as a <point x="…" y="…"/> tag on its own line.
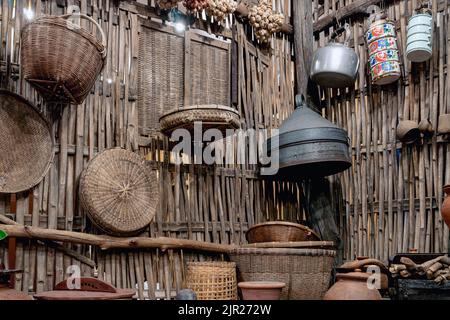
<point x="352" y="286"/>
<point x="408" y="131"/>
<point x="261" y="290"/>
<point x="445" y="211"/>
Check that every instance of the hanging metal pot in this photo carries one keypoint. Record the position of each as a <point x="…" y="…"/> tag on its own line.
<point x="419" y="44"/>
<point x="335" y="65"/>
<point x="309" y="145"/>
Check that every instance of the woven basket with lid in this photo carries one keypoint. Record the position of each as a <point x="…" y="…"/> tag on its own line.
<point x="119" y="193"/>
<point x="60" y="59"/>
<point x="212" y="280"/>
<point x="27" y="144"/>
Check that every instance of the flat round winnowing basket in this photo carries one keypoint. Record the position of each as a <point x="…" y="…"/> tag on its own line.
<point x="27" y="144"/>
<point x="306" y="272"/>
<point x="119" y="193"/>
<point x="212" y="280"/>
<point x="60" y="59"/>
<point x="211" y="116"/>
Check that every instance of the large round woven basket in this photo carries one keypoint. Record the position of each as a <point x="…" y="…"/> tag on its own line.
<point x="212" y="280"/>
<point x="211" y="116"/>
<point x="61" y="59"/>
<point x="27" y="144"/>
<point x="306" y="272"/>
<point x="119" y="193"/>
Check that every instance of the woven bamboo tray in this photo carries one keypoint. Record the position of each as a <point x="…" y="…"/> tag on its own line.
<point x="211" y="116"/>
<point x="119" y="193"/>
<point x="61" y="60"/>
<point x="212" y="280"/>
<point x="306" y="272"/>
<point x="27" y="144"/>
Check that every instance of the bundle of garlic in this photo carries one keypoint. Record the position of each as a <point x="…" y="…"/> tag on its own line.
<point x="167" y="4"/>
<point x="219" y="9"/>
<point x="195" y="6"/>
<point x="264" y="20"/>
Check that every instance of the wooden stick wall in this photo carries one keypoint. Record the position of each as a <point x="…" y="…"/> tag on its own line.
<point x="211" y="204"/>
<point x="393" y="193"/>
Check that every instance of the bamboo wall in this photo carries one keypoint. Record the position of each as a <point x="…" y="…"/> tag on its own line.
<point x="393" y="193"/>
<point x="213" y="204"/>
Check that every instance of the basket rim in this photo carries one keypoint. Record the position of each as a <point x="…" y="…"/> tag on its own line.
<point x="284" y="251"/>
<point x="200" y="107"/>
<point x="281" y="223"/>
<point x="47" y="122"/>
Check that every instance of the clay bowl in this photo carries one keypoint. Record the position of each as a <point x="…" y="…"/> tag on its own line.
<point x="261" y="290"/>
<point x="280" y="231"/>
<point x="408" y="131"/>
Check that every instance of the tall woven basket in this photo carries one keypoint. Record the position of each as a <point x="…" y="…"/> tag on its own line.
<point x="26" y="144"/>
<point x="61" y="59"/>
<point x="119" y="193"/>
<point x="212" y="280"/>
<point x="306" y="272"/>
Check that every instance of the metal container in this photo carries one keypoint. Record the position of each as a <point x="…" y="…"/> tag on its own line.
<point x="335" y="65"/>
<point x="383" y="52"/>
<point x="309" y="145"/>
<point x="419" y="44"/>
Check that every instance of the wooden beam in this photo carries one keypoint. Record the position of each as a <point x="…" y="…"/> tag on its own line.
<point x="108" y="242"/>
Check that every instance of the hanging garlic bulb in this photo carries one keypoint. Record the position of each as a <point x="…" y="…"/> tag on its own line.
<point x="195" y="6"/>
<point x="167" y="4"/>
<point x="220" y="9"/>
<point x="264" y="21"/>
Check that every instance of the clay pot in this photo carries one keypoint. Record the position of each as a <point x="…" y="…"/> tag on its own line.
<point x="446" y="206"/>
<point x="444" y="124"/>
<point x="426" y="127"/>
<point x="408" y="131"/>
<point x="352" y="286"/>
<point x="261" y="290"/>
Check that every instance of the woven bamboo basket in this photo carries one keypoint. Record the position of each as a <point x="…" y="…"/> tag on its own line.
<point x="212" y="280"/>
<point x="119" y="193"/>
<point x="280" y="231"/>
<point x="27" y="144"/>
<point x="306" y="272"/>
<point x="60" y="59"/>
<point x="211" y="116"/>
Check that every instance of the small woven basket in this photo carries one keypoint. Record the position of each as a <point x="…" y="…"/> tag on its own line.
<point x="280" y="231"/>
<point x="119" y="193"/>
<point x="212" y="280"/>
<point x="60" y="59"/>
<point x="211" y="116"/>
<point x="306" y="272"/>
<point x="26" y="144"/>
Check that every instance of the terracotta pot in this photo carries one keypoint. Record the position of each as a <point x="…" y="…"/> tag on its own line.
<point x="446" y="206"/>
<point x="408" y="131"/>
<point x="352" y="286"/>
<point x="261" y="290"/>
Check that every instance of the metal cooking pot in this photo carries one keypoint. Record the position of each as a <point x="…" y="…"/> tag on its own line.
<point x="309" y="145"/>
<point x="335" y="65"/>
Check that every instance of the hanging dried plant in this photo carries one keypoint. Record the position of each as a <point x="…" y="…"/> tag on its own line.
<point x="220" y="9"/>
<point x="195" y="6"/>
<point x="167" y="4"/>
<point x="265" y="21"/>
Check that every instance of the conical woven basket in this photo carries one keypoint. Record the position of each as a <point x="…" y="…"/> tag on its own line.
<point x="27" y="144"/>
<point x="60" y="59"/>
<point x="119" y="193"/>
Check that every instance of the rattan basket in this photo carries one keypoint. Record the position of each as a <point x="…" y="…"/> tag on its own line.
<point x="60" y="59"/>
<point x="306" y="272"/>
<point x="280" y="231"/>
<point x="119" y="193"/>
<point x="211" y="116"/>
<point x="212" y="280"/>
<point x="27" y="144"/>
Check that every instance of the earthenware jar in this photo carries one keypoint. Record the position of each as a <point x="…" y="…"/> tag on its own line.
<point x="446" y="205"/>
<point x="408" y="131"/>
<point x="261" y="290"/>
<point x="352" y="286"/>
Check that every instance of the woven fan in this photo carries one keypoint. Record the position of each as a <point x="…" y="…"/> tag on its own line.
<point x="26" y="144"/>
<point x="119" y="193"/>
